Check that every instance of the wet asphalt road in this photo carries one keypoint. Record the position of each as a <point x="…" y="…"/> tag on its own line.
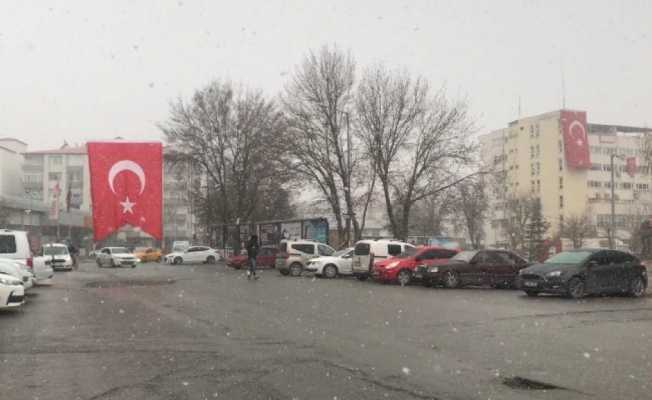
<point x="205" y="332"/>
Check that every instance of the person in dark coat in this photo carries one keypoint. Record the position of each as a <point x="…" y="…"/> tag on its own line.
<point x="252" y="252"/>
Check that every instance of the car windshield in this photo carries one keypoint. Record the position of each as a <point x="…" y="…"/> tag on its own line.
<point x="464" y="256"/>
<point x="55" y="250"/>
<point x="409" y="252"/>
<point x="342" y="252"/>
<point x="569" y="257"/>
<point x="119" y="250"/>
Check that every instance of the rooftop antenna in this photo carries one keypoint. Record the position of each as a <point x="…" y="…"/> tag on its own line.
<point x="563" y="85"/>
<point x="519" y="106"/>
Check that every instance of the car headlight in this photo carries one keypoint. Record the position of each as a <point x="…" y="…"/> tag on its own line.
<point x="434" y="269"/>
<point x="9" y="281"/>
<point x="553" y="274"/>
<point x="393" y="264"/>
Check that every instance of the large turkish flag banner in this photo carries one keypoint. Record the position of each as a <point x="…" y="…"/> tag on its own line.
<point x="126" y="186"/>
<point x="576" y="140"/>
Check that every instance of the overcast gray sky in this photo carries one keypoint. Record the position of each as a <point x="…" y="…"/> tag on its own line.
<point x="80" y="70"/>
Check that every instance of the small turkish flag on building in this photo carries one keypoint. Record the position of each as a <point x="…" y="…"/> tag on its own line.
<point x="126" y="186"/>
<point x="630" y="166"/>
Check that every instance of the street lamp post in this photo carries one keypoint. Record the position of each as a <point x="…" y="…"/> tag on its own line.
<point x="612" y="225"/>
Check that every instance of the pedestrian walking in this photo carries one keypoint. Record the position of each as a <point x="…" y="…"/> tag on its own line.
<point x="72" y="250"/>
<point x="252" y="252"/>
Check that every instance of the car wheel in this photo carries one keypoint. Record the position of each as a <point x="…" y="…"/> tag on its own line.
<point x="113" y="263"/>
<point x="177" y="260"/>
<point x="99" y="264"/>
<point x="330" y="271"/>
<point x="296" y="269"/>
<point x="576" y="288"/>
<point x="532" y="293"/>
<point x="362" y="277"/>
<point x="210" y="260"/>
<point x="404" y="277"/>
<point x="284" y="272"/>
<point x="451" y="280"/>
<point x="636" y="287"/>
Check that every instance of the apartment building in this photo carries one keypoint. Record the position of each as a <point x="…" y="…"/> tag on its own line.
<point x="565" y="162"/>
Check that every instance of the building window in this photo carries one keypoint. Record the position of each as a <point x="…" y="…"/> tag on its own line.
<point x="538" y="186"/>
<point x="536" y="129"/>
<point x="54" y="176"/>
<point x="56" y="160"/>
<point x="561" y="201"/>
<point x="594" y="184"/>
<point x="596" y="167"/>
<point x="561" y="219"/>
<point x="642" y="187"/>
<point x="561" y="182"/>
<point x="626" y="185"/>
<point x="538" y="152"/>
<point x="561" y="164"/>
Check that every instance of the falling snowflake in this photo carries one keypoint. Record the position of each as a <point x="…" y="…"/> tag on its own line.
<point x="406" y="370"/>
<point x="587" y="355"/>
<point x="185" y="383"/>
<point x="121" y="311"/>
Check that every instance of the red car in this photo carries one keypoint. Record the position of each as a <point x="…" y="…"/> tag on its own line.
<point x="402" y="268"/>
<point x="266" y="258"/>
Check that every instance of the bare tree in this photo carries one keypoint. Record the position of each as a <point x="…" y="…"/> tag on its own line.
<point x="514" y="224"/>
<point x="429" y="215"/>
<point x="5" y="214"/>
<point x="318" y="105"/>
<point x="577" y="228"/>
<point x="471" y="204"/>
<point x="231" y="134"/>
<point x="418" y="142"/>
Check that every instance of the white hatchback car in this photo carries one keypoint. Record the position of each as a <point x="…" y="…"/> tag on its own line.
<point x="194" y="255"/>
<point x="115" y="257"/>
<point x="332" y="266"/>
<point x="12" y="292"/>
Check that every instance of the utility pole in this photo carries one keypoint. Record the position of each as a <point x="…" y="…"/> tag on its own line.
<point x="612" y="227"/>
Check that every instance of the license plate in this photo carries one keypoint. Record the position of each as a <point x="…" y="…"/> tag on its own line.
<point x="531" y="284"/>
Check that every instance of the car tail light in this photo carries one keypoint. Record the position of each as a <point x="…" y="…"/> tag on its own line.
<point x="30" y="262"/>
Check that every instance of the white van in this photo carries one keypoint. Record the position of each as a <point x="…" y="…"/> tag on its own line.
<point x="15" y="245"/>
<point x="367" y="252"/>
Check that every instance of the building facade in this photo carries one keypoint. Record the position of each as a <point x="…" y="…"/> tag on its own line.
<point x="566" y="165"/>
<point x="67" y="169"/>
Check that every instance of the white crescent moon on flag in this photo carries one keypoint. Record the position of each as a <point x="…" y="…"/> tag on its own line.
<point x="127" y="165"/>
<point x="579" y="124"/>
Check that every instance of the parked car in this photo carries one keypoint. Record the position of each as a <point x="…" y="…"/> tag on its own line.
<point x="367" y="252"/>
<point x="15" y="245"/>
<point x="12" y="292"/>
<point x="115" y="257"/>
<point x="497" y="268"/>
<point x="18" y="271"/>
<point x="194" y="254"/>
<point x="56" y="255"/>
<point x="293" y="255"/>
<point x="578" y="273"/>
<point x="145" y="254"/>
<point x="266" y="258"/>
<point x="403" y="267"/>
<point x="332" y="266"/>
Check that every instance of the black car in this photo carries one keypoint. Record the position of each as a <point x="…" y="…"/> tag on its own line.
<point x="582" y="272"/>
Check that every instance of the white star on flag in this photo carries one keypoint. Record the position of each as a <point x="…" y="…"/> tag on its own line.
<point x="127" y="206"/>
<point x="580" y="142"/>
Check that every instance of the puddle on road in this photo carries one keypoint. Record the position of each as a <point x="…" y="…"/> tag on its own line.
<point x="517" y="382"/>
<point x="129" y="283"/>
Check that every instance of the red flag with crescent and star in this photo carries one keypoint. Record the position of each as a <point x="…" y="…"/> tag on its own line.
<point x="126" y="186"/>
<point x="576" y="140"/>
